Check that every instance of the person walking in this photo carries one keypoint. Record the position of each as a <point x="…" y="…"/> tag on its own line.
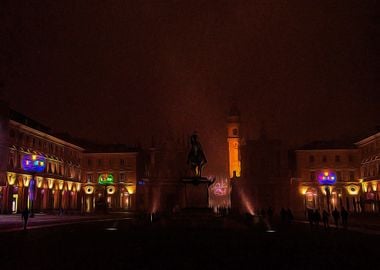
<point x="317" y="217"/>
<point x="344" y="214"/>
<point x="336" y="217"/>
<point x="310" y="217"/>
<point x="25" y="216"/>
<point x="325" y="218"/>
<point x="290" y="215"/>
<point x="283" y="215"/>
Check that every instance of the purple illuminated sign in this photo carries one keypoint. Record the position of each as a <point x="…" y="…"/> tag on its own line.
<point x="33" y="163"/>
<point x="327" y="178"/>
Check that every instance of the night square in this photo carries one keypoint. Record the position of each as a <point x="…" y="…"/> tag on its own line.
<point x="189" y="134"/>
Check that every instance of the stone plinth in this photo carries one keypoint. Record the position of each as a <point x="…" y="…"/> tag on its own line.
<point x="196" y="192"/>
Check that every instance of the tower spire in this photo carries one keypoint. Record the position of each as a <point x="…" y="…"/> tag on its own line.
<point x="233" y="139"/>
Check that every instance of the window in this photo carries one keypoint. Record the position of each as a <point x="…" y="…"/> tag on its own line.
<point x="324" y="159"/>
<point x="89" y="177"/>
<point x="312" y="176"/>
<point x="122" y="177"/>
<point x="339" y="176"/>
<point x="122" y="162"/>
<point x="337" y="158"/>
<point x="352" y="176"/>
<point x="311" y="159"/>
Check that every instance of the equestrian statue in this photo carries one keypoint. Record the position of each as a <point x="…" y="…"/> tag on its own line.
<point x="196" y="158"/>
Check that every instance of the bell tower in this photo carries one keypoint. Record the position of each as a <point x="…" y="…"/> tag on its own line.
<point x="233" y="139"/>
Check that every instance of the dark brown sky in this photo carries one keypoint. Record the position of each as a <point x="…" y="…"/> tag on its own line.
<point x="122" y="70"/>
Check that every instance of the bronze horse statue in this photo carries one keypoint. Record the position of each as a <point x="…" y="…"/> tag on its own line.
<point x="196" y="158"/>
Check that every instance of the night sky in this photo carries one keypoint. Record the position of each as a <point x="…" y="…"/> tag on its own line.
<point x="122" y="71"/>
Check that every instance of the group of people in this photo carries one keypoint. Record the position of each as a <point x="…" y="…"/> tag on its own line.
<point x="286" y="215"/>
<point x="315" y="217"/>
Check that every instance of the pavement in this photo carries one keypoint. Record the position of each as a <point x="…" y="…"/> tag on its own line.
<point x="9" y="223"/>
<point x="368" y="224"/>
<point x="363" y="223"/>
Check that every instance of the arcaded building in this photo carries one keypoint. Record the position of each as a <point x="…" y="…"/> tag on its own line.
<point x="369" y="154"/>
<point x="327" y="177"/>
<point x="47" y="172"/>
<point x="110" y="176"/>
<point x="55" y="181"/>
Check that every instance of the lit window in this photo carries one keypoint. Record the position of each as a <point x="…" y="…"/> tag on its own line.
<point x="352" y="176"/>
<point x="339" y="176"/>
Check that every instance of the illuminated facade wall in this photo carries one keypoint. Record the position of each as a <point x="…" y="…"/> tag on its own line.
<point x="69" y="178"/>
<point x="370" y="172"/>
<point x="122" y="166"/>
<point x="58" y="185"/>
<point x="325" y="179"/>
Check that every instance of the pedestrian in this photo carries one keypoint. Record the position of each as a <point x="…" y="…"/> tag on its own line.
<point x="325" y="218"/>
<point x="336" y="217"/>
<point x="344" y="214"/>
<point x="263" y="214"/>
<point x="310" y="217"/>
<point x="289" y="215"/>
<point x="317" y="217"/>
<point x="283" y="215"/>
<point x="270" y="214"/>
<point x="25" y="216"/>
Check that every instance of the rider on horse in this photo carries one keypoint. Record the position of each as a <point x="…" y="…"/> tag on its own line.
<point x="196" y="157"/>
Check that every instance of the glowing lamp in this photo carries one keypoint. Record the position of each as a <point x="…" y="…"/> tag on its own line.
<point x="327" y="178"/>
<point x="353" y="189"/>
<point x="105" y="179"/>
<point x="88" y="189"/>
<point x="33" y="163"/>
<point x="111" y="190"/>
<point x="131" y="189"/>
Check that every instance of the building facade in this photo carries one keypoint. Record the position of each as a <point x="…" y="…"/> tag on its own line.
<point x="327" y="177"/>
<point x="110" y="179"/>
<point x="258" y="170"/>
<point x="45" y="172"/>
<point x="369" y="154"/>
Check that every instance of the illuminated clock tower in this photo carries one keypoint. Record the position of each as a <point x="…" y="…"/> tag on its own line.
<point x="233" y="139"/>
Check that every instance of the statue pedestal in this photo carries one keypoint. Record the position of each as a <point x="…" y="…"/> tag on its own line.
<point x="196" y="192"/>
